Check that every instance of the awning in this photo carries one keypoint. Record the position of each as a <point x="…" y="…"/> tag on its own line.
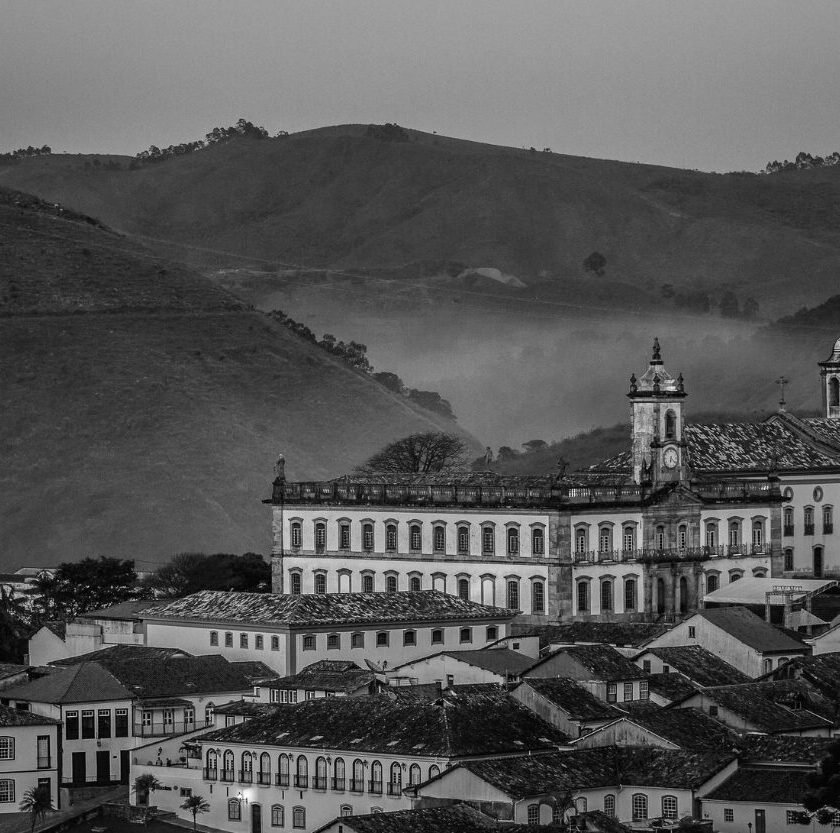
<point x="754" y="590"/>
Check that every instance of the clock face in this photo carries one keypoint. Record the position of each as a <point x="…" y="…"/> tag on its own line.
<point x="670" y="458"/>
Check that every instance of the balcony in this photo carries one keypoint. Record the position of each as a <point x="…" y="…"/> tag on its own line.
<point x="668" y="554"/>
<point x="809" y="529"/>
<point x="394" y="789"/>
<point x="357" y="785"/>
<point x="211" y="774"/>
<point x="246" y="776"/>
<point x="227" y="775"/>
<point x="788" y="531"/>
<point x="319" y="782"/>
<point x="338" y="784"/>
<point x="281" y="780"/>
<point x="264" y="779"/>
<point x="375" y="787"/>
<point x="301" y="781"/>
<point x="158" y="728"/>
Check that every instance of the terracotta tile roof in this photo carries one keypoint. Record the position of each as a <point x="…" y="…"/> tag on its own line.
<point x="254" y="670"/>
<point x="424" y="692"/>
<point x="699" y="665"/>
<point x="122" y="653"/>
<point x="81" y="683"/>
<point x="827" y="430"/>
<point x="572" y="698"/>
<point x="452" y="726"/>
<point x="314" y="610"/>
<point x="776" y="707"/>
<point x="247" y="708"/>
<point x="822" y="671"/>
<point x="671" y="687"/>
<point x="752" y="630"/>
<point x="631" y="634"/>
<point x="10" y="669"/>
<point x="327" y="675"/>
<point x="688" y="728"/>
<point x="13" y="717"/>
<point x="636" y="766"/>
<point x="456" y="817"/>
<point x="602" y="661"/>
<point x="495" y="660"/>
<point x="764" y="785"/>
<point x="782" y="749"/>
<point x="124" y="610"/>
<point x="59" y="628"/>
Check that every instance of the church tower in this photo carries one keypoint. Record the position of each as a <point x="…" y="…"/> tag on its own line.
<point x="658" y="449"/>
<point x="830" y="377"/>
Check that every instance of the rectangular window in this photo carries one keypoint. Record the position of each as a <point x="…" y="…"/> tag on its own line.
<point x="382" y="639"/>
<point x="214" y="637"/>
<point x="463" y="540"/>
<point x="410" y="638"/>
<point x="234" y="810"/>
<point x="320" y="537"/>
<point x="713" y="711"/>
<point x="296" y="536"/>
<point x="612" y="692"/>
<point x="357" y="640"/>
<point x="259" y="642"/>
<point x="415" y="539"/>
<point x="488" y="540"/>
<point x="243" y="640"/>
<point x="711" y="535"/>
<point x="146" y="719"/>
<point x="646" y="665"/>
<point x="7" y="791"/>
<point x="538" y="542"/>
<point x="629" y="541"/>
<point x="728" y="814"/>
<point x="439" y="539"/>
<point x="228" y="640"/>
<point x="309" y="642"/>
<point x="88" y="726"/>
<point x="120" y="723"/>
<point x="643" y="690"/>
<point x="628" y="691"/>
<point x="275" y="643"/>
<point x="390" y="538"/>
<point x="437" y="636"/>
<point x="344" y="536"/>
<point x="692" y="632"/>
<point x="104" y="721"/>
<point x="333" y="642"/>
<point x="367" y="537"/>
<point x="538" y="597"/>
<point x="186" y="792"/>
<point x="7" y="749"/>
<point x="71" y="725"/>
<point x="189" y="716"/>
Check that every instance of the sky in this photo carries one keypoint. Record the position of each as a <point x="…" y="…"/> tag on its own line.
<point x="715" y="85"/>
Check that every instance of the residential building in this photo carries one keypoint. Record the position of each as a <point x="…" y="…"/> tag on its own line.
<point x="695" y="663"/>
<point x="291" y="632"/>
<point x="29" y="756"/>
<point x="108" y="705"/>
<point x="821" y="671"/>
<point x="304" y="765"/>
<point x="737" y="636"/>
<point x="497" y="665"/>
<point x="325" y="678"/>
<point x="627" y="638"/>
<point x="12" y="674"/>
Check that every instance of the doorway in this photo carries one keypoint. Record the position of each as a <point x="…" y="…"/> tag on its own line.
<point x="256" y="818"/>
<point x="760" y="826"/>
<point x="78" y="768"/>
<point x="103" y="766"/>
<point x="818" y="562"/>
<point x="125" y="766"/>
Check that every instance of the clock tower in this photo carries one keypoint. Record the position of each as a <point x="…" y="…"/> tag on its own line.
<point x="658" y="449"/>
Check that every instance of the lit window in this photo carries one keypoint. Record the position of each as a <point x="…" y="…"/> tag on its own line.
<point x="367" y="537"/>
<point x="439" y="538"/>
<point x="297" y="536"/>
<point x="538" y="541"/>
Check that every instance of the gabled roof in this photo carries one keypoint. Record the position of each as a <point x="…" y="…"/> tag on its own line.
<point x="671" y="687"/>
<point x="753" y="590"/>
<point x="699" y="665"/>
<point x="11" y="669"/>
<point x="782" y="749"/>
<point x="603" y="661"/>
<point x="423" y="692"/>
<point x="752" y="630"/>
<point x="687" y="728"/>
<point x="122" y="653"/>
<point x="13" y="717"/>
<point x="248" y="708"/>
<point x="637" y="766"/>
<point x="763" y="785"/>
<point x="57" y="627"/>
<point x="822" y="671"/>
<point x="455" y="817"/>
<point x="81" y="683"/>
<point x="254" y="670"/>
<point x="327" y="675"/>
<point x="314" y="610"/>
<point x="496" y="660"/>
<point x="630" y="634"/>
<point x="122" y="611"/>
<point x="572" y="698"/>
<point x="453" y="726"/>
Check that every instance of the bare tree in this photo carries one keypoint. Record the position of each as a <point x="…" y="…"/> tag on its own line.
<point x="422" y="453"/>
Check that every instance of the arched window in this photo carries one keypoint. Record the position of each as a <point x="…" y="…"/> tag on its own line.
<point x="320" y="537"/>
<point x="533" y="814"/>
<point x="390" y="584"/>
<point x="660" y="595"/>
<point x="415" y="538"/>
<point x="583" y="596"/>
<point x="214" y="638"/>
<point x="375" y="785"/>
<point x="669" y="807"/>
<point x="818" y="562"/>
<point x="357" y="782"/>
<point x="391" y="538"/>
<point x="808" y="518"/>
<point x="757" y="535"/>
<point x="294" y="578"/>
<point x="659" y="537"/>
<point x="513" y="540"/>
<point x="683" y="594"/>
<point x="278" y="815"/>
<point x="788" y="560"/>
<point x="414" y="774"/>
<point x="834" y="392"/>
<point x="320" y="773"/>
<point x="670" y="425"/>
<point x="734" y="575"/>
<point x="302" y="772"/>
<point x="581" y="804"/>
<point x="434" y="771"/>
<point x="395" y="784"/>
<point x="711" y="583"/>
<point x="320" y="583"/>
<point x="711" y="534"/>
<point x="338" y="774"/>
<point x="464" y="588"/>
<point x="581" y="539"/>
<point x="628" y="539"/>
<point x="463" y="539"/>
<point x="299" y="817"/>
<point x="734" y="533"/>
<point x="513" y="594"/>
<point x="828" y="520"/>
<point x="488" y="540"/>
<point x="346" y="810"/>
<point x="538" y="597"/>
<point x="367" y="583"/>
<point x="414" y="583"/>
<point x="630" y="594"/>
<point x="682" y="536"/>
<point x="605" y="539"/>
<point x="640" y="806"/>
<point x="297" y="535"/>
<point x="367" y="537"/>
<point x="538" y="540"/>
<point x="787" y="521"/>
<point x="439" y="538"/>
<point x="212" y="763"/>
<point x="606" y="595"/>
<point x="283" y="771"/>
<point x="265" y="768"/>
<point x="609" y="804"/>
<point x="227" y="766"/>
<point x="234" y="810"/>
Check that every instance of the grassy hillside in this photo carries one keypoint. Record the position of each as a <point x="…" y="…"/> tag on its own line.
<point x="144" y="407"/>
<point x="339" y="198"/>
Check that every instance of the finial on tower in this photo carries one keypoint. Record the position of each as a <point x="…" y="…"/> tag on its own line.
<point x="656" y="381"/>
<point x="657" y="354"/>
<point x="280" y="469"/>
<point x="680" y="383"/>
<point x="781" y="382"/>
<point x="633" y="383"/>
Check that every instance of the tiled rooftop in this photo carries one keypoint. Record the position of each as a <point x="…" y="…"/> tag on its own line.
<point x="752" y="630"/>
<point x="699" y="665"/>
<point x="13" y="717"/>
<point x="822" y="671"/>
<point x="572" y="698"/>
<point x="603" y="661"/>
<point x="122" y="611"/>
<point x="688" y="728"/>
<point x="759" y="785"/>
<point x="327" y="675"/>
<point x="456" y="817"/>
<point x="496" y="660"/>
<point x="11" y="669"/>
<point x="314" y="610"/>
<point x="630" y="766"/>
<point x="782" y="749"/>
<point x="122" y="653"/>
<point x="671" y="687"/>
<point x="630" y="634"/>
<point x="452" y="726"/>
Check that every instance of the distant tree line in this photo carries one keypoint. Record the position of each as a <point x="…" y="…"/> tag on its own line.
<point x="218" y="135"/>
<point x="24" y="153"/>
<point x="388" y="132"/>
<point x="355" y="354"/>
<point x="698" y="301"/>
<point x="803" y="161"/>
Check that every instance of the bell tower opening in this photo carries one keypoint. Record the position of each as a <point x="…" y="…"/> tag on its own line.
<point x="830" y="377"/>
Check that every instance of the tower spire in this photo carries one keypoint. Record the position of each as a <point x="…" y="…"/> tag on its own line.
<point x="657" y="353"/>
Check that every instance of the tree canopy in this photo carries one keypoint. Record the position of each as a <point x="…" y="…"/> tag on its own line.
<point x="189" y="572"/>
<point x="422" y="453"/>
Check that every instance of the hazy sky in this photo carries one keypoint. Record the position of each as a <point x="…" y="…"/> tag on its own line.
<point x="711" y="84"/>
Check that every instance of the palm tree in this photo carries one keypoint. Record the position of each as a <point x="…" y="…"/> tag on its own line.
<point x="196" y="804"/>
<point x="143" y="785"/>
<point x="37" y="801"/>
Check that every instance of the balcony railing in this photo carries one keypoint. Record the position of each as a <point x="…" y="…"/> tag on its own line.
<point x="357" y="785"/>
<point x="670" y="553"/>
<point x="828" y="528"/>
<point x="159" y="727"/>
<point x="394" y="788"/>
<point x="302" y="781"/>
<point x="211" y="774"/>
<point x="319" y="782"/>
<point x="246" y="776"/>
<point x="375" y="787"/>
<point x="338" y="784"/>
<point x="281" y="780"/>
<point x="264" y="778"/>
<point x="788" y="531"/>
<point x="227" y="775"/>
